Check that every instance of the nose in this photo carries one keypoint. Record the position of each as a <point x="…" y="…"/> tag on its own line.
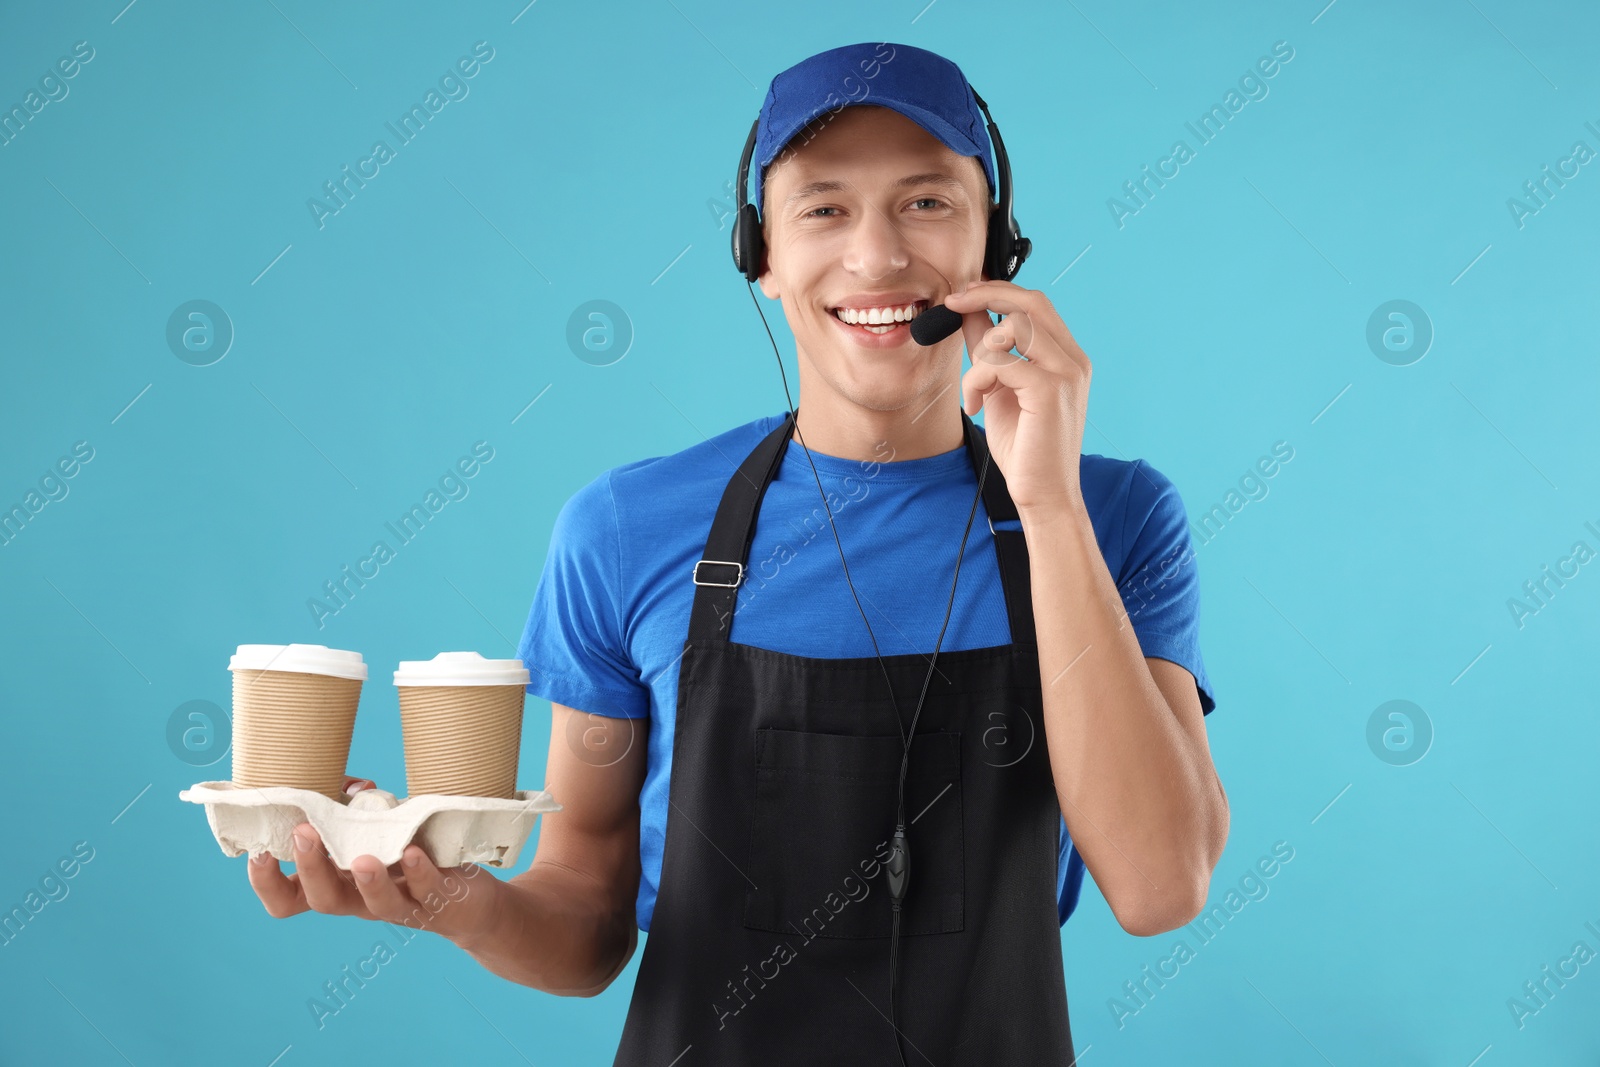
<point x="877" y="247"/>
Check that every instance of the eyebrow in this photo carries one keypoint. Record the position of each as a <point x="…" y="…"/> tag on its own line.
<point x="934" y="177"/>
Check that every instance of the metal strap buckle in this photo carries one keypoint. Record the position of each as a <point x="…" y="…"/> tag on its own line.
<point x="737" y="578"/>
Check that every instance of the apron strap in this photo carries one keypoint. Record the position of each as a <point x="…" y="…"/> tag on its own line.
<point x="719" y="573"/>
<point x="1010" y="546"/>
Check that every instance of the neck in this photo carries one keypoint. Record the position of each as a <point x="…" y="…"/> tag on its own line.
<point x="834" y="426"/>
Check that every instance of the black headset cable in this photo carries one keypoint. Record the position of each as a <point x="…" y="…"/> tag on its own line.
<point x="898" y="866"/>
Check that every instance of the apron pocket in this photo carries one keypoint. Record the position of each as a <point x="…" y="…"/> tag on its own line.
<point x="824" y="814"/>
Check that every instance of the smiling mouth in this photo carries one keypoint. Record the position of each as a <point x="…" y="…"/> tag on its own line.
<point x="885" y="324"/>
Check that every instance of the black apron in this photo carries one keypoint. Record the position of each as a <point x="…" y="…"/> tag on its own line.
<point x="770" y="939"/>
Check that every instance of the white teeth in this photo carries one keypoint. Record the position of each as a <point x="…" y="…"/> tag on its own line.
<point x="877" y="316"/>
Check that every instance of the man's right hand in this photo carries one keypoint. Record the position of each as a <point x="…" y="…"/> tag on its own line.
<point x="456" y="902"/>
<point x="567" y="925"/>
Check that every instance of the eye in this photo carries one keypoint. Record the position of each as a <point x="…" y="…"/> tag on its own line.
<point x="927" y="200"/>
<point x="813" y="212"/>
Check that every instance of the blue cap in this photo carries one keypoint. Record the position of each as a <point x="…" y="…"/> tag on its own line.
<point x="926" y="88"/>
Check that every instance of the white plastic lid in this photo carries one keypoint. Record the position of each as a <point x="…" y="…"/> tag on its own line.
<point x="299" y="659"/>
<point x="461" y="668"/>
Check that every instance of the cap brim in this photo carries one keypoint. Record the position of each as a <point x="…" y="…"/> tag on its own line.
<point x="947" y="134"/>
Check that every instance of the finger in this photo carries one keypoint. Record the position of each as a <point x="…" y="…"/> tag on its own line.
<point x="975" y="386"/>
<point x="975" y="325"/>
<point x="324" y="889"/>
<point x="386" y="893"/>
<point x="433" y="884"/>
<point x="1012" y="332"/>
<point x="432" y="894"/>
<point x="1003" y="297"/>
<point x="1010" y="299"/>
<point x="280" y="895"/>
<point x="358" y="784"/>
<point x="986" y="378"/>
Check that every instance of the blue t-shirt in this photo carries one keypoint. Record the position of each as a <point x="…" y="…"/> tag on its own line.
<point x="610" y="615"/>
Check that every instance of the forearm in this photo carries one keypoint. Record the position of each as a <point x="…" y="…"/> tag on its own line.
<point x="556" y="931"/>
<point x="1138" y="794"/>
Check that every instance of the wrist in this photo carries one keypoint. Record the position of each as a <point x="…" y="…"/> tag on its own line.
<point x="1065" y="510"/>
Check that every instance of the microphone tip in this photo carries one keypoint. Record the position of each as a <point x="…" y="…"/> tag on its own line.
<point x="934" y="325"/>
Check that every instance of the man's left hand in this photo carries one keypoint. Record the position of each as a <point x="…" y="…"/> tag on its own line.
<point x="1036" y="405"/>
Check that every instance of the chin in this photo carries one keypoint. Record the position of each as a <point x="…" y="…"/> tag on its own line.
<point x="883" y="395"/>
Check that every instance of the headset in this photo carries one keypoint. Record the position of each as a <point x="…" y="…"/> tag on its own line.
<point x="1005" y="249"/>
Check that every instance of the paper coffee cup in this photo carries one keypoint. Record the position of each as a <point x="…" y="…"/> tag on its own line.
<point x="461" y="724"/>
<point x="294" y="710"/>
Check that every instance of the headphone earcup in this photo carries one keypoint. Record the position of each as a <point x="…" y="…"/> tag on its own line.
<point x="747" y="243"/>
<point x="998" y="248"/>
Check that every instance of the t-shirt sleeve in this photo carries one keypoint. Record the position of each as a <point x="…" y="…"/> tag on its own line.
<point x="1159" y="582"/>
<point x="573" y="643"/>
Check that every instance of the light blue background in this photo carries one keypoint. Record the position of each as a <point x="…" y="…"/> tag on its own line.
<point x="588" y="162"/>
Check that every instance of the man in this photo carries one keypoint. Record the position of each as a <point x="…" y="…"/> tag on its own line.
<point x="734" y="794"/>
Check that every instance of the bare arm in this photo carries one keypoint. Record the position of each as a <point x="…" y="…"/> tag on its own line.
<point x="1127" y="741"/>
<point x="566" y="925"/>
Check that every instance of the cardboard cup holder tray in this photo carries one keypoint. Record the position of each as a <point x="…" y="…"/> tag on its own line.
<point x="452" y="830"/>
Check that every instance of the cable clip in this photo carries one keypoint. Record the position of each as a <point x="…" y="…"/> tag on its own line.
<point x="898" y="868"/>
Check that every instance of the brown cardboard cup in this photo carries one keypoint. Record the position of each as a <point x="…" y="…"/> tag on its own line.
<point x="461" y="724"/>
<point x="294" y="711"/>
